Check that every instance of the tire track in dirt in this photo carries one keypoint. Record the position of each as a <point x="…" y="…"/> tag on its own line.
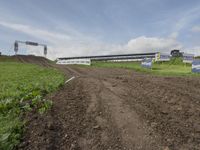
<point x="61" y="126"/>
<point x="106" y="135"/>
<point x="135" y="133"/>
<point x="170" y="112"/>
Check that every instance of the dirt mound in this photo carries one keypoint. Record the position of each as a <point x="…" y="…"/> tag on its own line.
<point x="38" y="60"/>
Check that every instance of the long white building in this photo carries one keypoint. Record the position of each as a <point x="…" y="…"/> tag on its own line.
<point x="116" y="58"/>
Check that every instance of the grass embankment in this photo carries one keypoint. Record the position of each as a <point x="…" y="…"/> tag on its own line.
<point x="22" y="88"/>
<point x="175" y="67"/>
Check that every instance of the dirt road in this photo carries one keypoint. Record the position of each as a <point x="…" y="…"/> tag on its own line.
<point x="118" y="109"/>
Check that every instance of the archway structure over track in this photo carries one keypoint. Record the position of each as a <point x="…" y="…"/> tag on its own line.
<point x="16" y="46"/>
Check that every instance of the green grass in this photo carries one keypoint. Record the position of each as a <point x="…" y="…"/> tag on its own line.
<point x="198" y="57"/>
<point x="22" y="88"/>
<point x="173" y="68"/>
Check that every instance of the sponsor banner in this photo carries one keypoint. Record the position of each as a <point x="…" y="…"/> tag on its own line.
<point x="188" y="58"/>
<point x="196" y="66"/>
<point x="147" y="63"/>
<point x="74" y="62"/>
<point x="162" y="57"/>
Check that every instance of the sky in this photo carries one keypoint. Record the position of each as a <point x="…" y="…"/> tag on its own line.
<point x="100" y="27"/>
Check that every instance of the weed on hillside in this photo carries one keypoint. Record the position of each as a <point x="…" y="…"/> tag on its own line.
<point x="22" y="88"/>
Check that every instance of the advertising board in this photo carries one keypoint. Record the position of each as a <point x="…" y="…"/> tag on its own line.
<point x="188" y="58"/>
<point x="147" y="63"/>
<point x="196" y="66"/>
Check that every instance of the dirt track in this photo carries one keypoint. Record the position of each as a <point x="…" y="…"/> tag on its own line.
<point x="119" y="109"/>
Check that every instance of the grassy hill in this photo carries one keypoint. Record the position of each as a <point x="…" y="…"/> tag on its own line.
<point x="175" y="67"/>
<point x="23" y="87"/>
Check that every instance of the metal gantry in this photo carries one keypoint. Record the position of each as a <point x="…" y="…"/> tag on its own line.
<point x="16" y="46"/>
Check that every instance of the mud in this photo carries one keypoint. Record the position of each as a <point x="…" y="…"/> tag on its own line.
<point x="118" y="109"/>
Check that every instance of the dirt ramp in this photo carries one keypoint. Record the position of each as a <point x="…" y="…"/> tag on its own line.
<point x="38" y="60"/>
<point x="34" y="60"/>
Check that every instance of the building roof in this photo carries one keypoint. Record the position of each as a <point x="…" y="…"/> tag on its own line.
<point x="111" y="57"/>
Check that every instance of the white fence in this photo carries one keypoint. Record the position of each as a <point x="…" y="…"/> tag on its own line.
<point x="74" y="62"/>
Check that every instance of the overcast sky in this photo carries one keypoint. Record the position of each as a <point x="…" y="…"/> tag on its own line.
<point x="98" y="27"/>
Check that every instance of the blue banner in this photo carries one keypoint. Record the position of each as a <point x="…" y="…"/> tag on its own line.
<point x="147" y="63"/>
<point x="196" y="66"/>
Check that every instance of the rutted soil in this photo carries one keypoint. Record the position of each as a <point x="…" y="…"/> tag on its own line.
<point x="118" y="109"/>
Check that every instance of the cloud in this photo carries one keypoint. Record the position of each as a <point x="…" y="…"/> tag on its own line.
<point x="193" y="50"/>
<point x="187" y="18"/>
<point x="174" y="35"/>
<point x="59" y="44"/>
<point x="145" y="44"/>
<point x="141" y="44"/>
<point x="195" y="29"/>
<point x="153" y="44"/>
<point x="35" y="32"/>
<point x="74" y="43"/>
